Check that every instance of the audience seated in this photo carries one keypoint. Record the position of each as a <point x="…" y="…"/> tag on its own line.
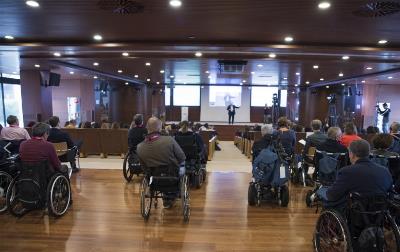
<point x="95" y="125"/>
<point x="37" y="149"/>
<point x="58" y="136"/>
<point x="350" y="134"/>
<point x="105" y="125"/>
<point x="157" y="150"/>
<point x="298" y="128"/>
<point x="313" y="140"/>
<point x="266" y="140"/>
<point x="30" y="124"/>
<point x="204" y="127"/>
<point x="14" y="132"/>
<point x="371" y="130"/>
<point x="115" y="125"/>
<point x="137" y="132"/>
<point x="363" y="176"/>
<point x="71" y="124"/>
<point x="286" y="136"/>
<point x="87" y="125"/>
<point x="186" y="131"/>
<point x="394" y="132"/>
<point x="381" y="144"/>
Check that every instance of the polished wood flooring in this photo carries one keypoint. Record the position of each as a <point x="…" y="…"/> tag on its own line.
<point x="105" y="217"/>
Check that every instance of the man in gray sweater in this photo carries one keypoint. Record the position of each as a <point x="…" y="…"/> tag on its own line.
<point x="157" y="150"/>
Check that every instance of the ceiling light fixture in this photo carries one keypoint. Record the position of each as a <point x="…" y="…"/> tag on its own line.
<point x="288" y="39"/>
<point x="321" y="79"/>
<point x="390" y="77"/>
<point x="315" y="66"/>
<point x="324" y="5"/>
<point x="57" y="54"/>
<point x="363" y="81"/>
<point x="340" y="74"/>
<point x="272" y="55"/>
<point x="126" y="83"/>
<point x="171" y="76"/>
<point x="37" y="65"/>
<point x="297" y="74"/>
<point x="343" y="84"/>
<point x="175" y="3"/>
<point x="162" y="71"/>
<point x="119" y="71"/>
<point x="259" y="65"/>
<point x="253" y="72"/>
<point x="158" y="82"/>
<point x="284" y="78"/>
<point x="9" y="37"/>
<point x="207" y="72"/>
<point x="369" y="68"/>
<point x="327" y="86"/>
<point x="125" y="54"/>
<point x="296" y="85"/>
<point x="198" y="54"/>
<point x="97" y="37"/>
<point x="33" y="4"/>
<point x="307" y="82"/>
<point x="148" y="80"/>
<point x="148" y="64"/>
<point x="71" y="72"/>
<point x="95" y="64"/>
<point x="95" y="77"/>
<point x="382" y="41"/>
<point x="244" y="81"/>
<point x="345" y="57"/>
<point x="136" y="76"/>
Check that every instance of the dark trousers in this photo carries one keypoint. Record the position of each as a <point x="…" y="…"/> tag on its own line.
<point x="231" y="117"/>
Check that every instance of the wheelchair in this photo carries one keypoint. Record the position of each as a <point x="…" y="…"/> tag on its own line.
<point x="195" y="169"/>
<point x="299" y="175"/>
<point x="131" y="165"/>
<point x="164" y="183"/>
<point x="327" y="165"/>
<point x="269" y="181"/>
<point x="364" y="224"/>
<point x="32" y="189"/>
<point x="8" y="171"/>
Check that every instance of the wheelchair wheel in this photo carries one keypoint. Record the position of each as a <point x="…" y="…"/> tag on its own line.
<point x="58" y="195"/>
<point x="5" y="180"/>
<point x="252" y="195"/>
<point x="204" y="171"/>
<point x="185" y="199"/>
<point x="198" y="179"/>
<point x="126" y="168"/>
<point x="14" y="205"/>
<point x="332" y="233"/>
<point x="145" y="199"/>
<point x="308" y="198"/>
<point x="391" y="234"/>
<point x="284" y="196"/>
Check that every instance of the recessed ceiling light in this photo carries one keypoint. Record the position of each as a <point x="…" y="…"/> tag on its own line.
<point x="119" y="71"/>
<point x="253" y="72"/>
<point x="125" y="54"/>
<point x="136" y="76"/>
<point x="198" y="54"/>
<point x="175" y="3"/>
<point x="244" y="81"/>
<point x="71" y="72"/>
<point x="272" y="55"/>
<point x="191" y="37"/>
<point x="241" y="84"/>
<point x="369" y="68"/>
<point x="126" y="83"/>
<point x="171" y="76"/>
<point x="293" y="92"/>
<point x="297" y="73"/>
<point x="148" y="79"/>
<point x="95" y="77"/>
<point x="345" y="57"/>
<point x="97" y="37"/>
<point x="284" y="78"/>
<point x="158" y="82"/>
<point x="288" y="39"/>
<point x="37" y="65"/>
<point x="321" y="79"/>
<point x="343" y="84"/>
<point x="296" y="85"/>
<point x="33" y="4"/>
<point x="315" y="66"/>
<point x="162" y="71"/>
<point x="95" y="64"/>
<point x="363" y="81"/>
<point x="207" y="72"/>
<point x="327" y="86"/>
<point x="390" y="77"/>
<point x="324" y="5"/>
<point x="307" y="82"/>
<point x="57" y="54"/>
<point x="9" y="37"/>
<point x="148" y="64"/>
<point x="340" y="74"/>
<point x="382" y="41"/>
<point x="259" y="65"/>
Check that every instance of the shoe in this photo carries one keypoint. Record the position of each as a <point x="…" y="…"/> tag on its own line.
<point x="168" y="203"/>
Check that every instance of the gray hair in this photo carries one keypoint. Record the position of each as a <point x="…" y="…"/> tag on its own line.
<point x="39" y="129"/>
<point x="267" y="129"/>
<point x="360" y="148"/>
<point x="316" y="124"/>
<point x="334" y="133"/>
<point x="394" y="127"/>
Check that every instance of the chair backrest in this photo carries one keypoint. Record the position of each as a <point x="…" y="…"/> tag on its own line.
<point x="61" y="148"/>
<point x="31" y="183"/>
<point x="161" y="171"/>
<point x="328" y="165"/>
<point x="188" y="145"/>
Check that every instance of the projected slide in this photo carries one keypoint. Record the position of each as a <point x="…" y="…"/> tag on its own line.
<point x="222" y="96"/>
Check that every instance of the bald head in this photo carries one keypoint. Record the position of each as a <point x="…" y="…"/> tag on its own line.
<point x="154" y="125"/>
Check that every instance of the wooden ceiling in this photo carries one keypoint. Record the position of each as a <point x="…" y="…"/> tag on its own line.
<point x="220" y="29"/>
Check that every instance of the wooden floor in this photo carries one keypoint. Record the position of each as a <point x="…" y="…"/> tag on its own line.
<point x="105" y="217"/>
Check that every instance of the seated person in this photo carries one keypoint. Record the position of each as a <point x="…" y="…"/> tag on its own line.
<point x="394" y="132"/>
<point x="286" y="136"/>
<point x="313" y="140"/>
<point x="186" y="131"/>
<point x="137" y="132"/>
<point x="331" y="145"/>
<point x="58" y="136"/>
<point x="157" y="150"/>
<point x="266" y="140"/>
<point x="38" y="149"/>
<point x="14" y="132"/>
<point x="350" y="134"/>
<point x="363" y="176"/>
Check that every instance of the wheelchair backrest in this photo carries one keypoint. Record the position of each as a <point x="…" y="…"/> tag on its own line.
<point x="161" y="171"/>
<point x="329" y="164"/>
<point x="31" y="182"/>
<point x="188" y="145"/>
<point x="265" y="165"/>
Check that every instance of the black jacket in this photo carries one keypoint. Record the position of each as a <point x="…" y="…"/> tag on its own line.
<point x="234" y="109"/>
<point x="58" y="136"/>
<point x="364" y="177"/>
<point x="136" y="136"/>
<point x="332" y="146"/>
<point x="261" y="144"/>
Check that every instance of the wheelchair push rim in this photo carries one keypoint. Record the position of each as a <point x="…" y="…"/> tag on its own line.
<point x="59" y="195"/>
<point x="128" y="169"/>
<point x="185" y="199"/>
<point x="391" y="234"/>
<point x="14" y="206"/>
<point x="5" y="181"/>
<point x="145" y="199"/>
<point x="332" y="233"/>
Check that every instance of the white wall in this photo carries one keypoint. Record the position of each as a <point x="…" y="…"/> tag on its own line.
<point x="220" y="114"/>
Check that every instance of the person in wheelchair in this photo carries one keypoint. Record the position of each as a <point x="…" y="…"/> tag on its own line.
<point x="158" y="151"/>
<point x="363" y="177"/>
<point x="38" y="149"/>
<point x="58" y="136"/>
<point x="137" y="132"/>
<point x="186" y="131"/>
<point x="14" y="132"/>
<point x="267" y="136"/>
<point x="286" y="136"/>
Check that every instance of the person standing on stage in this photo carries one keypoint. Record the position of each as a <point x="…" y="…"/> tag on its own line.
<point x="385" y="116"/>
<point x="231" y="113"/>
<point x="266" y="114"/>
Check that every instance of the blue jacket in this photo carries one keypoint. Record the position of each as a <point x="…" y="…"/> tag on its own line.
<point x="364" y="177"/>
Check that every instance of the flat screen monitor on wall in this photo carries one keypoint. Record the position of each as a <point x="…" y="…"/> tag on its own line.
<point x="183" y="96"/>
